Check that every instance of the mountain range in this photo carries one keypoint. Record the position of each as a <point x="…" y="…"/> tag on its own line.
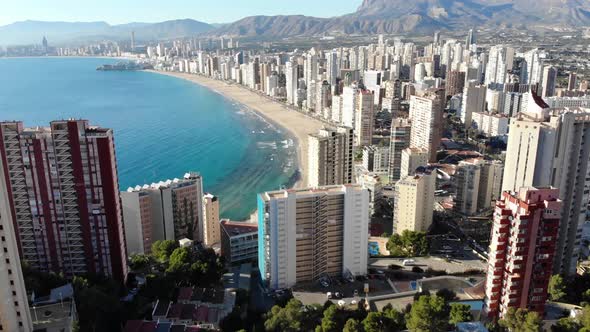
<point x="31" y="32"/>
<point x="372" y="16"/>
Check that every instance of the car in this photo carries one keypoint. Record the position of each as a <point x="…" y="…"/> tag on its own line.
<point x="380" y="272"/>
<point x="324" y="283"/>
<point x="338" y="295"/>
<point x="329" y="295"/>
<point x="353" y="302"/>
<point x="342" y="303"/>
<point x="408" y="262"/>
<point x="350" y="278"/>
<point x="356" y="293"/>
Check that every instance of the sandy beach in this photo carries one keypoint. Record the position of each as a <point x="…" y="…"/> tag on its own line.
<point x="296" y="123"/>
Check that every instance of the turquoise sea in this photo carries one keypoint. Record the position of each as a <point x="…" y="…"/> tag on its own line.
<point x="164" y="126"/>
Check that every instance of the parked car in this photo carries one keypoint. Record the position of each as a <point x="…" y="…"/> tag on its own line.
<point x="408" y="262"/>
<point x="329" y="295"/>
<point x="356" y="293"/>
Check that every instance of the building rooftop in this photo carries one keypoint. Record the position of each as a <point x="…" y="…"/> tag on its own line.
<point x="234" y="228"/>
<point x="186" y="180"/>
<point x="335" y="189"/>
<point x="53" y="316"/>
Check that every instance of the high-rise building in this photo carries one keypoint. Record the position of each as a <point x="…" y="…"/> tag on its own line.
<point x="239" y="241"/>
<point x="291" y="82"/>
<point x="330" y="157"/>
<point x="471" y="39"/>
<point x="549" y="81"/>
<point x="474" y="100"/>
<point x="64" y="197"/>
<point x="376" y="158"/>
<point x="412" y="158"/>
<point x="426" y="113"/>
<point x="364" y="118"/>
<point x="499" y="62"/>
<point x="552" y="149"/>
<point x="521" y="251"/>
<point x="167" y="210"/>
<point x="14" y="307"/>
<point x="308" y="234"/>
<point x="490" y="183"/>
<point x="399" y="140"/>
<point x="414" y="202"/>
<point x="455" y="82"/>
<point x="211" y="231"/>
<point x="467" y="179"/>
<point x="531" y="71"/>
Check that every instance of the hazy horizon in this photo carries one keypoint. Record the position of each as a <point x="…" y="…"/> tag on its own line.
<point x="116" y="12"/>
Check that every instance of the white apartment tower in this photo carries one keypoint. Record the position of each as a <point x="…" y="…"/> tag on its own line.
<point x="330" y="157"/>
<point x="14" y="306"/>
<point x="308" y="234"/>
<point x="551" y="148"/>
<point x="414" y="202"/>
<point x="426" y="114"/>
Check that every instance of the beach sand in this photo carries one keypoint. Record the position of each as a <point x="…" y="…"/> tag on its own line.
<point x="298" y="124"/>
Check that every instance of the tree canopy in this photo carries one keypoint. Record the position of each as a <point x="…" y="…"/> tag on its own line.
<point x="408" y="244"/>
<point x="521" y="320"/>
<point x="429" y="313"/>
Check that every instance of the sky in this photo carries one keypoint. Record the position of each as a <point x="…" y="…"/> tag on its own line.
<point x="125" y="11"/>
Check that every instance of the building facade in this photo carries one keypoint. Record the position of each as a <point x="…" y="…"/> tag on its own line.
<point x="239" y="241"/>
<point x="308" y="234"/>
<point x="330" y="157"/>
<point x="211" y="228"/>
<point x="14" y="306"/>
<point x="167" y="210"/>
<point x="64" y="197"/>
<point x="414" y="202"/>
<point x="399" y="140"/>
<point x="426" y="114"/>
<point x="521" y="251"/>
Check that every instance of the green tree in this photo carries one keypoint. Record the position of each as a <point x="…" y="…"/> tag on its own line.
<point x="161" y="250"/>
<point x="447" y="294"/>
<point x="374" y="322"/>
<point x="408" y="244"/>
<point x="352" y="325"/>
<point x="556" y="288"/>
<point x="585" y="318"/>
<point x="330" y="320"/>
<point x="429" y="313"/>
<point x="566" y="325"/>
<point x="180" y="261"/>
<point x="521" y="320"/>
<point x="285" y="319"/>
<point x="140" y="262"/>
<point x="460" y="313"/>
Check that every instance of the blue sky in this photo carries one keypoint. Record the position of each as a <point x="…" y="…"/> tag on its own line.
<point x="125" y="11"/>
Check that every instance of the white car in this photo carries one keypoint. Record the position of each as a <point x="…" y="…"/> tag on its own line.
<point x="342" y="303"/>
<point x="408" y="262"/>
<point x="329" y="295"/>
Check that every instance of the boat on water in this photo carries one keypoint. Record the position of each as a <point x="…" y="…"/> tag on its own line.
<point x="125" y="66"/>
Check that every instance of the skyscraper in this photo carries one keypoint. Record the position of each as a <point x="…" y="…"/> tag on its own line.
<point x="470" y="38"/>
<point x="571" y="82"/>
<point x="499" y="62"/>
<point x="330" y="157"/>
<point x="14" y="306"/>
<point x="474" y="101"/>
<point x="426" y="113"/>
<point x="291" y="82"/>
<point x="167" y="210"/>
<point x="399" y="140"/>
<point x="467" y="179"/>
<point x="308" y="234"/>
<point x="64" y="196"/>
<point x="211" y="230"/>
<point x="521" y="250"/>
<point x="455" y="82"/>
<point x="414" y="202"/>
<point x="549" y="81"/>
<point x="532" y="68"/>
<point x="552" y="148"/>
<point x="364" y="118"/>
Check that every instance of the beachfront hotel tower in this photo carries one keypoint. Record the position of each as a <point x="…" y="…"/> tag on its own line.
<point x="63" y="195"/>
<point x="330" y="157"/>
<point x="522" y="245"/>
<point x="14" y="306"/>
<point x="307" y="234"/>
<point x="167" y="210"/>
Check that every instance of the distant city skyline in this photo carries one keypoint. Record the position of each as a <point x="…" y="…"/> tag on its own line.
<point x="117" y="12"/>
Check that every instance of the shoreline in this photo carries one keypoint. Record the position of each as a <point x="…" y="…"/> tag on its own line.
<point x="296" y="124"/>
